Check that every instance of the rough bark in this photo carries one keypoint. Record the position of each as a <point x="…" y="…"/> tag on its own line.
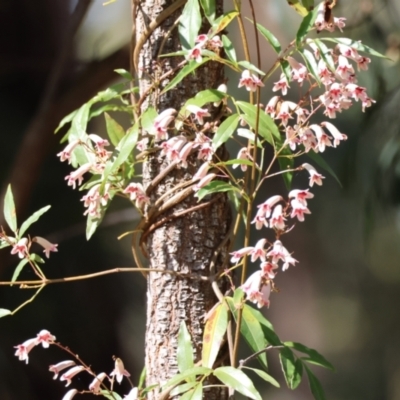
<point x="185" y="244"/>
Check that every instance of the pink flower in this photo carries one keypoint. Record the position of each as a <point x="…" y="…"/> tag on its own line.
<point x="48" y="247"/>
<point x="20" y="247"/>
<point x="119" y="370"/>
<point x="46" y="338"/>
<point x="238" y="254"/>
<point x="96" y="383"/>
<point x="258" y="251"/>
<point x="161" y="123"/>
<point x="337" y="136"/>
<point x="298" y="210"/>
<point x="277" y="220"/>
<point x="279" y="252"/>
<point x="299" y="71"/>
<point x="216" y="41"/>
<point x="271" y="106"/>
<point x="281" y="85"/>
<point x="77" y="175"/>
<point x="133" y="394"/>
<point x="195" y="53"/>
<point x="198" y="112"/>
<point x="266" y="207"/>
<point x="260" y="221"/>
<point x="201" y="39"/>
<point x="24" y="349"/>
<point x="67" y="152"/>
<point x="99" y="141"/>
<point x="202" y="172"/>
<point x="267" y="269"/>
<point x="256" y="290"/>
<point x="315" y="177"/>
<point x="204" y="181"/>
<point x="70" y="394"/>
<point x="301" y="195"/>
<point x="242" y="155"/>
<point x="60" y="366"/>
<point x="322" y="137"/>
<point x="93" y="200"/>
<point x="67" y="376"/>
<point x="250" y="81"/>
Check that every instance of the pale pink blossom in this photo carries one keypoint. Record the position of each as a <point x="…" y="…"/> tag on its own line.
<point x="184" y="153"/>
<point x="45" y="338"/>
<point x="298" y="210"/>
<point x="206" y="152"/>
<point x="198" y="112"/>
<point x="345" y="70"/>
<point x="339" y="22"/>
<point x="239" y="254"/>
<point x="20" y="248"/>
<point x="23" y="349"/>
<point x="250" y="81"/>
<point x="99" y="141"/>
<point x="315" y="177"/>
<point x="161" y="123"/>
<point x="134" y="189"/>
<point x="56" y="368"/>
<point x="67" y="152"/>
<point x="216" y="41"/>
<point x="337" y="136"/>
<point x="201" y="172"/>
<point x="70" y="394"/>
<point x="67" y="376"/>
<point x="257" y="291"/>
<point x="322" y="138"/>
<point x="308" y="139"/>
<point x="119" y="370"/>
<point x="291" y="137"/>
<point x="204" y="181"/>
<point x="260" y="221"/>
<point x="268" y="269"/>
<point x="271" y="106"/>
<point x="258" y="251"/>
<point x="243" y="154"/>
<point x="299" y="71"/>
<point x="301" y="195"/>
<point x="195" y="53"/>
<point x="96" y="383"/>
<point x="77" y="175"/>
<point x="224" y="89"/>
<point x="201" y="39"/>
<point x="285" y="112"/>
<point x="93" y="200"/>
<point x="141" y="145"/>
<point x="325" y="74"/>
<point x="48" y="247"/>
<point x="266" y="207"/>
<point x="281" y="85"/>
<point x="279" y="252"/>
<point x="133" y="394"/>
<point x="277" y="220"/>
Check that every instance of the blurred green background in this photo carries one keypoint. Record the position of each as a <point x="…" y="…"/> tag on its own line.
<point x="343" y="297"/>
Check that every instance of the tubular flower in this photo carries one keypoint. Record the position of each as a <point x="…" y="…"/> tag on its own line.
<point x="133" y="394"/>
<point x="57" y="368"/>
<point x="77" y="175"/>
<point x="48" y="247"/>
<point x="46" y="338"/>
<point x="250" y="81"/>
<point x="24" y="349"/>
<point x="67" y="376"/>
<point x="96" y="383"/>
<point x="256" y="290"/>
<point x="70" y="394"/>
<point x="119" y="370"/>
<point x="315" y="177"/>
<point x="198" y="112"/>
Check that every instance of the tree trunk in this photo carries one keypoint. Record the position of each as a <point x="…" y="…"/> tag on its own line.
<point x="182" y="244"/>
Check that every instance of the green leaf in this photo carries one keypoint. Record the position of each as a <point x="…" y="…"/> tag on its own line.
<point x="292" y="369"/>
<point x="323" y="164"/>
<point x="187" y="374"/>
<point x="262" y="374"/>
<point x="251" y="330"/>
<point x="325" y="53"/>
<point x="32" y="219"/>
<point x="10" y="213"/>
<point x="114" y="130"/>
<point x="266" y="125"/>
<point x="229" y="48"/>
<point x="222" y="22"/>
<point x="4" y="312"/>
<point x="267" y="328"/>
<point x="66" y="120"/>
<point x="3" y="244"/>
<point x="308" y="4"/>
<point x="214" y="187"/>
<point x="110" y="395"/>
<point x="189" y="24"/>
<point x="315" y="385"/>
<point x="356" y="45"/>
<point x="36" y="258"/>
<point x="185" y="349"/>
<point x="183" y="388"/>
<point x="148" y="389"/>
<point x="237" y="380"/>
<point x="314" y="357"/>
<point x="147" y="118"/>
<point x="247" y="65"/>
<point x="300" y="9"/>
<point x="306" y="25"/>
<point x="190" y="67"/>
<point x="93" y="223"/>
<point x="249" y="135"/>
<point x="194" y="394"/>
<point x="208" y="7"/>
<point x="18" y="269"/>
<point x="238" y="296"/>
<point x="142" y="378"/>
<point x="124" y="73"/>
<point x="272" y="40"/>
<point x="201" y="98"/>
<point x="125" y="148"/>
<point x="80" y="120"/>
<point x="311" y="64"/>
<point x="225" y="130"/>
<point x="214" y="332"/>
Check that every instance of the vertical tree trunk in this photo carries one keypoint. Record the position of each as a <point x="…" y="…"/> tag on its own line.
<point x="184" y="244"/>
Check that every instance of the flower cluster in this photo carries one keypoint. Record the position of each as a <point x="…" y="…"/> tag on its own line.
<point x="21" y="246"/>
<point x="45" y="338"/>
<point x="203" y="41"/>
